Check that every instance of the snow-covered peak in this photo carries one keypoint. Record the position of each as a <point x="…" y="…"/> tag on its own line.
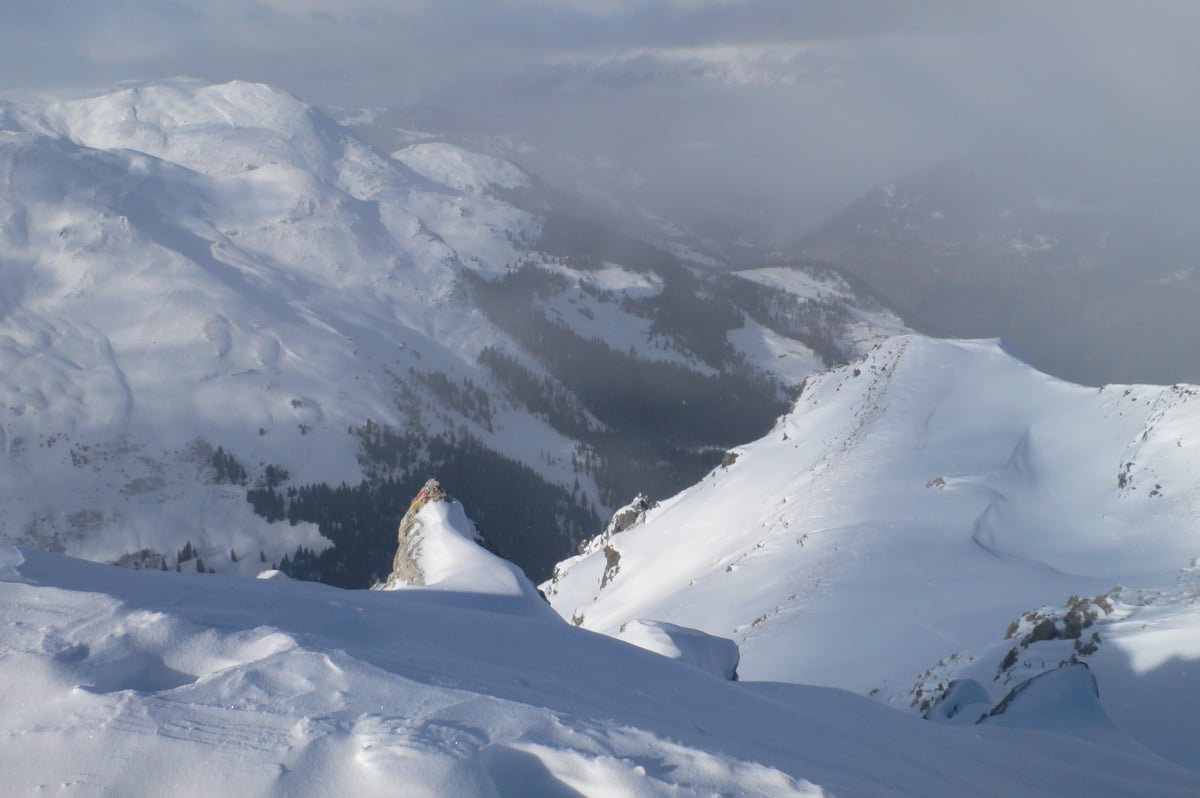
<point x="190" y="265"/>
<point x="225" y="130"/>
<point x="440" y="548"/>
<point x="245" y="125"/>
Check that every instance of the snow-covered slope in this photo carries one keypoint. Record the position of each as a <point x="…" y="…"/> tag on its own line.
<point x="189" y="266"/>
<point x="148" y="684"/>
<point x="910" y="507"/>
<point x="201" y="281"/>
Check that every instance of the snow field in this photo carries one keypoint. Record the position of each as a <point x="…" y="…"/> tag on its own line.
<point x="141" y="683"/>
<point x="911" y="506"/>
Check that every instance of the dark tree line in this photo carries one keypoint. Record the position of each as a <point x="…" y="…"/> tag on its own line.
<point x="654" y="400"/>
<point x="227" y="468"/>
<point x="815" y="322"/>
<point x="525" y="518"/>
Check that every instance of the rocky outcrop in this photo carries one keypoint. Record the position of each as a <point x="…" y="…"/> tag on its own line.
<point x="438" y="548"/>
<point x="406" y="567"/>
<point x="628" y="516"/>
<point x="624" y="518"/>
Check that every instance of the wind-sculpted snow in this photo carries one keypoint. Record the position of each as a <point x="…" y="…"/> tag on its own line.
<point x="911" y="506"/>
<point x="147" y="684"/>
<point x="1140" y="645"/>
<point x="716" y="655"/>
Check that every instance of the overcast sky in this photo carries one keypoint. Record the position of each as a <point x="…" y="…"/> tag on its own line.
<point x="781" y="108"/>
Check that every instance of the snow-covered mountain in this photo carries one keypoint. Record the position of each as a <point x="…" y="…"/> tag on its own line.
<point x="937" y="510"/>
<point x="149" y="684"/>
<point x="215" y="293"/>
<point x="1088" y="272"/>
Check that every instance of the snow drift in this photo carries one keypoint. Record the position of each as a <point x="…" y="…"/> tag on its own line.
<point x="145" y="684"/>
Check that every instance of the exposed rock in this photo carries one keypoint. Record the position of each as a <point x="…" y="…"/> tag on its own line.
<point x="439" y="548"/>
<point x="612" y="565"/>
<point x="1064" y="623"/>
<point x="624" y="518"/>
<point x="628" y="515"/>
<point x="406" y="567"/>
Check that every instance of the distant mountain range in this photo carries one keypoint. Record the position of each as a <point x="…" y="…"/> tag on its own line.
<point x="1089" y="277"/>
<point x="232" y="332"/>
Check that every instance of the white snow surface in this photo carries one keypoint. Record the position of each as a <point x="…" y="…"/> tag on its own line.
<point x="1064" y="700"/>
<point x="715" y="655"/>
<point x="141" y="683"/>
<point x="908" y="509"/>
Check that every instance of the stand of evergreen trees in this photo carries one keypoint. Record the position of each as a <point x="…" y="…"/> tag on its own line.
<point x="525" y="518"/>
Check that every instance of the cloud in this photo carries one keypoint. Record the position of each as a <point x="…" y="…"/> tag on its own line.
<point x="801" y="104"/>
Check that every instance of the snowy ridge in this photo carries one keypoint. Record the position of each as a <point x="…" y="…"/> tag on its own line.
<point x="144" y="684"/>
<point x="913" y="503"/>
